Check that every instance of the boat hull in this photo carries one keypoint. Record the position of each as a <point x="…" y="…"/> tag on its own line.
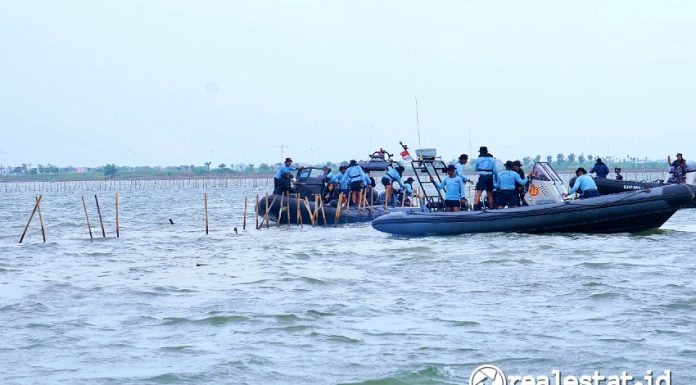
<point x="622" y="212"/>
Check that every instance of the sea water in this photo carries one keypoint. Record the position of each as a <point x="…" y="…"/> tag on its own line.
<point x="167" y="304"/>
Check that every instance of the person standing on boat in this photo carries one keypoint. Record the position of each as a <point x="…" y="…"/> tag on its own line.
<point x="282" y="177"/>
<point x="506" y="184"/>
<point x="487" y="171"/>
<point x="463" y="159"/>
<point x="356" y="180"/>
<point x="585" y="184"/>
<point x="600" y="169"/>
<point x="677" y="169"/>
<point x="392" y="175"/>
<point x="454" y="189"/>
<point x="521" y="189"/>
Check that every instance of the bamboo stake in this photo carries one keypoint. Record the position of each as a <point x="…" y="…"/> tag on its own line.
<point x="89" y="227"/>
<point x="338" y="208"/>
<point x="280" y="210"/>
<point x="205" y="204"/>
<point x="118" y="230"/>
<point x="299" y="211"/>
<point x="288" y="210"/>
<point x="309" y="211"/>
<point x="323" y="213"/>
<point x="245" y="213"/>
<point x="403" y="198"/>
<point x="36" y="206"/>
<point x="257" y="211"/>
<point x="100" y="216"/>
<point x="266" y="216"/>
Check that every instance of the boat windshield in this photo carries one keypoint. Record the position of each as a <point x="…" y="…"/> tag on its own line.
<point x="539" y="173"/>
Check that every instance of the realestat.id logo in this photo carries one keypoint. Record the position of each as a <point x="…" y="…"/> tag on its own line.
<point x="487" y="375"/>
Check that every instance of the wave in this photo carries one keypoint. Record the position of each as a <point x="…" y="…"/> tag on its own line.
<point x="430" y="375"/>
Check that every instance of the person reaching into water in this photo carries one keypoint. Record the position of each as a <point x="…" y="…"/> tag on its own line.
<point x="507" y="192"/>
<point x="392" y="175"/>
<point x="584" y="183"/>
<point x="600" y="169"/>
<point x="454" y="189"/>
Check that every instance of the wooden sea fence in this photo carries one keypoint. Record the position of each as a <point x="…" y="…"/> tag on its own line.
<point x="241" y="181"/>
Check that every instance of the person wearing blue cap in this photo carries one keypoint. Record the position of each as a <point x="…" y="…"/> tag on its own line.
<point x="506" y="184"/>
<point x="282" y="177"/>
<point x="585" y="184"/>
<point x="454" y="189"/>
<point x="485" y="167"/>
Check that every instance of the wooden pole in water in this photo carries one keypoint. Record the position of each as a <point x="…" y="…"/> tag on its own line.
<point x="205" y="204"/>
<point x="245" y="213"/>
<point x="100" y="216"/>
<point x="309" y="211"/>
<point x="266" y="216"/>
<point x="257" y="211"/>
<point x="299" y="210"/>
<point x="280" y="210"/>
<point x="338" y="208"/>
<point x="323" y="213"/>
<point x="36" y="206"/>
<point x="118" y="230"/>
<point x="89" y="227"/>
<point x="288" y="210"/>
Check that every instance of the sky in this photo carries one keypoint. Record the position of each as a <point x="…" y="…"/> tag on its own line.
<point x="170" y="82"/>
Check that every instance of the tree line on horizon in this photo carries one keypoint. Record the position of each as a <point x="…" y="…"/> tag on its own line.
<point x="111" y="170"/>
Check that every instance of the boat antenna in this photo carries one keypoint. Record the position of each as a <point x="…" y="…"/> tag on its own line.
<point x="417" y="122"/>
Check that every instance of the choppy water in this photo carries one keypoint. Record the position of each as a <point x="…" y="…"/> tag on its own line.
<point x="327" y="306"/>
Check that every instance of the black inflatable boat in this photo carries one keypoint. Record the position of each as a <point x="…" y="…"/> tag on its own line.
<point x="622" y="212"/>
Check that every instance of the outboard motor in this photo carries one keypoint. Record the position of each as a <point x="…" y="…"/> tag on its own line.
<point x="545" y="187"/>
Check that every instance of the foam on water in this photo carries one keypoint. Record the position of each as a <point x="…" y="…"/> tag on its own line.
<point x="166" y="304"/>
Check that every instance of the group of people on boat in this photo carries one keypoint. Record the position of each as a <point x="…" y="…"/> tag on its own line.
<point x="506" y="188"/>
<point x="355" y="183"/>
<point x="502" y="189"/>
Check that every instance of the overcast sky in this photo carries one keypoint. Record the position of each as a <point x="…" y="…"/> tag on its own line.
<point x="167" y="82"/>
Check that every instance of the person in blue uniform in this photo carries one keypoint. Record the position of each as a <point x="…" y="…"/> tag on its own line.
<point x="392" y="175"/>
<point x="408" y="190"/>
<point x="506" y="184"/>
<point x="282" y="177"/>
<point x="356" y="180"/>
<point x="454" y="189"/>
<point x="600" y="169"/>
<point x="341" y="179"/>
<point x="585" y="184"/>
<point x="463" y="159"/>
<point x="485" y="167"/>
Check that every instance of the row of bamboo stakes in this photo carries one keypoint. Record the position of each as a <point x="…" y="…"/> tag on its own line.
<point x="133" y="184"/>
<point x="315" y="218"/>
